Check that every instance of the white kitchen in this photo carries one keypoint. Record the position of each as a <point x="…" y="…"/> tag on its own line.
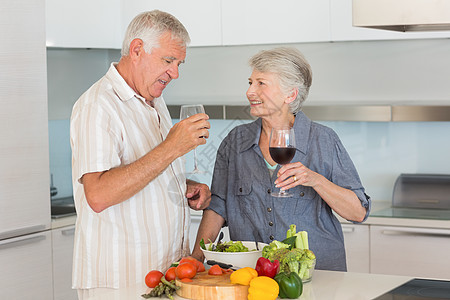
<point x="385" y="92"/>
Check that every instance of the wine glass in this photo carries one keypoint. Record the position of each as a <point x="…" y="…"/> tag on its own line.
<point x="185" y="112"/>
<point x="282" y="150"/>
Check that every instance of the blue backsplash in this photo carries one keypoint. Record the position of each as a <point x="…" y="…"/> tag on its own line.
<point x="380" y="151"/>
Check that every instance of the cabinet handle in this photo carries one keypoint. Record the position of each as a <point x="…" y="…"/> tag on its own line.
<point x="419" y="233"/>
<point x="21" y="231"/>
<point x="348" y="229"/>
<point x="21" y="242"/>
<point x="66" y="232"/>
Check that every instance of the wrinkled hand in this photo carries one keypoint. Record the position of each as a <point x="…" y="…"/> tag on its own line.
<point x="293" y="174"/>
<point x="198" y="195"/>
<point x="189" y="133"/>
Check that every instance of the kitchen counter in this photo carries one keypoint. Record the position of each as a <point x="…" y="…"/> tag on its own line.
<point x="324" y="286"/>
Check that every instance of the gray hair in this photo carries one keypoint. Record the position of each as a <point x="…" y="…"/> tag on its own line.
<point x="149" y="26"/>
<point x="292" y="69"/>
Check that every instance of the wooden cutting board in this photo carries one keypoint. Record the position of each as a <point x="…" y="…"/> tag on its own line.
<point x="210" y="287"/>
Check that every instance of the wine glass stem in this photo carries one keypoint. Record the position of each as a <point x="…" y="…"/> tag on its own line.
<point x="195" y="160"/>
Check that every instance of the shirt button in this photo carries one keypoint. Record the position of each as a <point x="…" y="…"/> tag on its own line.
<point x="271" y="237"/>
<point x="302" y="194"/>
<point x="268" y="191"/>
<point x="269" y="209"/>
<point x="270" y="223"/>
<point x="240" y="190"/>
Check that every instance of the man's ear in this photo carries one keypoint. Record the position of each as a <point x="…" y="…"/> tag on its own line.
<point x="136" y="48"/>
<point x="292" y="96"/>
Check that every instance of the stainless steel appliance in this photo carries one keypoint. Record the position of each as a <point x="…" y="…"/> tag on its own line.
<point x="25" y="238"/>
<point x="420" y="196"/>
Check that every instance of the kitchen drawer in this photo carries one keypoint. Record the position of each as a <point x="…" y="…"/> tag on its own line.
<point x="26" y="267"/>
<point x="411" y="251"/>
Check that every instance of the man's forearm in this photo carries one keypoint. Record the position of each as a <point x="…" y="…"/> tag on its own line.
<point x="108" y="188"/>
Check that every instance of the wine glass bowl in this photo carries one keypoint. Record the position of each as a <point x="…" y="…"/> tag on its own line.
<point x="282" y="150"/>
<point x="187" y="111"/>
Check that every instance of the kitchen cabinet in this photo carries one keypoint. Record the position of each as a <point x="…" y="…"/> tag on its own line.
<point x="62" y="245"/>
<point x="200" y="17"/>
<point x="343" y="30"/>
<point x="83" y="23"/>
<point x="357" y="247"/>
<point x="412" y="251"/>
<point x="26" y="267"/>
<point x="269" y="22"/>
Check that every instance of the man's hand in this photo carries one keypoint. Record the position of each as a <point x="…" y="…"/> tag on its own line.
<point x="198" y="195"/>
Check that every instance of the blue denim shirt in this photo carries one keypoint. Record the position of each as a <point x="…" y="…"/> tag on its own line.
<point x="242" y="184"/>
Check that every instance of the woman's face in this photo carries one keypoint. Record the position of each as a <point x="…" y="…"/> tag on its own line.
<point x="265" y="95"/>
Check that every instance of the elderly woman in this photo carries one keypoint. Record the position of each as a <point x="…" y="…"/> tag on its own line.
<point x="321" y="176"/>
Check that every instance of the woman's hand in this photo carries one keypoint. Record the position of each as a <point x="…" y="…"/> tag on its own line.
<point x="293" y="174"/>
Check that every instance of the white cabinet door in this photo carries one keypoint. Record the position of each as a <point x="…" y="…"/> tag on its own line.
<point x="342" y="28"/>
<point x="200" y="17"/>
<point x="62" y="240"/>
<point x="357" y="247"/>
<point x="417" y="252"/>
<point x="83" y="23"/>
<point x="26" y="267"/>
<point x="272" y="22"/>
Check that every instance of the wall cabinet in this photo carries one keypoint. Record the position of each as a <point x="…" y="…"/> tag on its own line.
<point x="83" y="24"/>
<point x="357" y="247"/>
<point x="26" y="267"/>
<point x="269" y="22"/>
<point x="418" y="252"/>
<point x="62" y="245"/>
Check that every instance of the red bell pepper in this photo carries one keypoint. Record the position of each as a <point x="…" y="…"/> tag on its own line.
<point x="265" y="267"/>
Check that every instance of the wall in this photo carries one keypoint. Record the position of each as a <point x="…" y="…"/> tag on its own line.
<point x="383" y="72"/>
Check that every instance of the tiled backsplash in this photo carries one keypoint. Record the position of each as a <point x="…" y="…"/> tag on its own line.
<point x="380" y="151"/>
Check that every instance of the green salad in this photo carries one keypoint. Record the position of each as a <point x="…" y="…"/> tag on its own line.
<point x="225" y="246"/>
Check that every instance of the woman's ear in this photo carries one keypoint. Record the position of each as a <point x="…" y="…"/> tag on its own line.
<point x="292" y="96"/>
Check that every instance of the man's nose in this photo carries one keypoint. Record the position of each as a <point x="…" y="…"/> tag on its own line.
<point x="173" y="72"/>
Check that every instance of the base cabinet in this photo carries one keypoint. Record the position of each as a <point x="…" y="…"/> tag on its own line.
<point x="26" y="267"/>
<point x="411" y="251"/>
<point x="62" y="239"/>
<point x="357" y="247"/>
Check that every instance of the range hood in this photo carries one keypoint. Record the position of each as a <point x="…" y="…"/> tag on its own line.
<point x="402" y="15"/>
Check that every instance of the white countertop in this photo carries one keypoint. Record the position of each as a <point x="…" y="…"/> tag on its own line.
<point x="325" y="285"/>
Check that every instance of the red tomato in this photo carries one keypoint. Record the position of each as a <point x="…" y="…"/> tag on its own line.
<point x="153" y="278"/>
<point x="185" y="270"/>
<point x="200" y="267"/>
<point x="170" y="274"/>
<point x="215" y="270"/>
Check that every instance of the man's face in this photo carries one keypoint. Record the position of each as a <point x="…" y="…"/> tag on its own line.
<point x="154" y="71"/>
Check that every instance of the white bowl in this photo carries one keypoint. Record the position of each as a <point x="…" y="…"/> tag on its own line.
<point x="237" y="259"/>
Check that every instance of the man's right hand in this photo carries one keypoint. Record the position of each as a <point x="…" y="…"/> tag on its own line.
<point x="187" y="134"/>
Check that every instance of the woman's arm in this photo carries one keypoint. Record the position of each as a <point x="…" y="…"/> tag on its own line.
<point x="209" y="228"/>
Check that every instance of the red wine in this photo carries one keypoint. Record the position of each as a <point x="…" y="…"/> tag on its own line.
<point x="282" y="155"/>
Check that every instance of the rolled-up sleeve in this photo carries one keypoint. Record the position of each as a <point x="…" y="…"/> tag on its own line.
<point x="345" y="175"/>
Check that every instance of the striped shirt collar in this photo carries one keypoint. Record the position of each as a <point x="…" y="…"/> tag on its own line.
<point x="121" y="87"/>
<point x="302" y="126"/>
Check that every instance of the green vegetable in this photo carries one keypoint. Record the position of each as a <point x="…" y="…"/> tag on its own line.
<point x="301" y="237"/>
<point x="273" y="246"/>
<point x="229" y="246"/>
<point x="202" y="244"/>
<point x="299" y="261"/>
<point x="290" y="284"/>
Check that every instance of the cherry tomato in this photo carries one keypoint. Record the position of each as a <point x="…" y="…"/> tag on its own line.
<point x="153" y="278"/>
<point x="170" y="274"/>
<point x="185" y="270"/>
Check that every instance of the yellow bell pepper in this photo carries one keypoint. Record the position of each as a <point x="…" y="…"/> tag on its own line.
<point x="263" y="288"/>
<point x="243" y="276"/>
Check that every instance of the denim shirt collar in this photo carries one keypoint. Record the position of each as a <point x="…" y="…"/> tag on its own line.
<point x="302" y="126"/>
